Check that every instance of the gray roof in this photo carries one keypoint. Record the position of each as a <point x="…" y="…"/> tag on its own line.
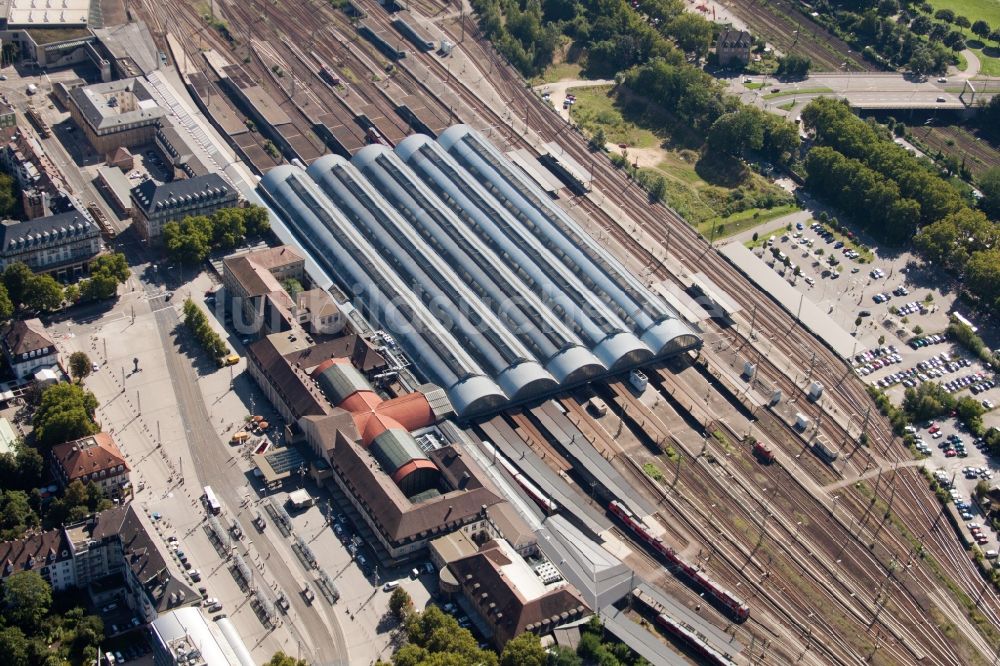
<point x="54" y="229"/>
<point x="130" y="42"/>
<point x="505" y="297"/>
<point x="394" y="448"/>
<point x="100" y="112"/>
<point x="735" y="38"/>
<point x="149" y="196"/>
<point x="340" y="381"/>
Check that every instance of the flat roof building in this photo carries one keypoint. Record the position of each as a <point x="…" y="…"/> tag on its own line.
<point x="184" y="637"/>
<point x="45" y="13"/>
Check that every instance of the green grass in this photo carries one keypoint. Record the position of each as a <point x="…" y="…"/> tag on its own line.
<point x="700" y="187"/>
<point x="787" y="106"/>
<point x="738" y="222"/>
<point x="756" y="85"/>
<point x="653" y="472"/>
<point x="595" y="108"/>
<point x="815" y="90"/>
<point x="987" y="10"/>
<point x="559" y="72"/>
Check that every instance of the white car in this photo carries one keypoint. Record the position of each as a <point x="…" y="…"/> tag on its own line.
<point x="810" y="281"/>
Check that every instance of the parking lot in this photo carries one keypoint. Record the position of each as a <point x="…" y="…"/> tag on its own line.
<point x="959" y="464"/>
<point x="900" y="334"/>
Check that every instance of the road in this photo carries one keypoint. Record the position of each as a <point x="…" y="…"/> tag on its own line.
<point x="862" y="90"/>
<point x="213" y="465"/>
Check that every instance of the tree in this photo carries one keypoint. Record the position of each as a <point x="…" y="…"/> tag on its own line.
<point x="970" y="412"/>
<point x="27" y="598"/>
<point x="15" y="279"/>
<point x="738" y="131"/>
<point x="256" y="220"/>
<point x="16" y="515"/>
<point x="281" y="659"/>
<point x="563" y="656"/>
<point x="188" y="241"/>
<point x="995" y="36"/>
<point x="292" y="286"/>
<point x="657" y="188"/>
<point x="692" y="32"/>
<point x="989" y="185"/>
<point x="437" y="632"/>
<point x="65" y="412"/>
<point x="981" y="29"/>
<point x="946" y="15"/>
<point x="524" y="650"/>
<point x="794" y="66"/>
<point x="43" y="293"/>
<point x="14" y="646"/>
<point x="79" y="365"/>
<point x="598" y="140"/>
<point x="6" y="306"/>
<point x="962" y="22"/>
<point x="982" y="275"/>
<point x="400" y="603"/>
<point x="922" y="61"/>
<point x="927" y="400"/>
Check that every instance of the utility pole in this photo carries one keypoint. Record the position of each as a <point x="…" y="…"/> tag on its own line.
<point x="138" y="405"/>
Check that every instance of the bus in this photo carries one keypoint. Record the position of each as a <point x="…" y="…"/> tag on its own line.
<point x="211" y="501"/>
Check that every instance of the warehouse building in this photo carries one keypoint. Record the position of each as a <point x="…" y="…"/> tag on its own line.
<point x="493" y="290"/>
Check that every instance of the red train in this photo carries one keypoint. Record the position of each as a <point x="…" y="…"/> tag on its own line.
<point x="732" y="605"/>
<point x="693" y="641"/>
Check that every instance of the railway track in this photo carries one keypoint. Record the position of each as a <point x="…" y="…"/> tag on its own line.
<point x="660" y="220"/>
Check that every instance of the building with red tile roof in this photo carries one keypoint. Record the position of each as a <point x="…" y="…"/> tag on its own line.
<point x="96" y="459"/>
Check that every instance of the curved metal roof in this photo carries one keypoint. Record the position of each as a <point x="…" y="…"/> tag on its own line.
<point x="495" y="292"/>
<point x="394" y="448"/>
<point x="339" y="381"/>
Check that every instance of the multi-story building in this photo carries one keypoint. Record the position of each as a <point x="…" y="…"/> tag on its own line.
<point x="155" y="205"/>
<point x="24" y="158"/>
<point x="61" y="244"/>
<point x="733" y="46"/>
<point x="118" y="113"/>
<point x="110" y="553"/>
<point x="253" y="286"/>
<point x="317" y="312"/>
<point x="29" y="347"/>
<point x="96" y="459"/>
<point x="508" y="595"/>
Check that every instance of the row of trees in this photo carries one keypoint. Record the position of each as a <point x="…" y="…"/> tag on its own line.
<point x="610" y="33"/>
<point x="191" y="240"/>
<point x="197" y="322"/>
<point x="37" y="629"/>
<point x="911" y="37"/>
<point x="434" y="638"/>
<point x="23" y="290"/>
<point x="930" y="400"/>
<point x="858" y="168"/>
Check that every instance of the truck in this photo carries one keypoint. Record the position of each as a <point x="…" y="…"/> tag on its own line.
<point x="259" y="522"/>
<point x="308" y="593"/>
